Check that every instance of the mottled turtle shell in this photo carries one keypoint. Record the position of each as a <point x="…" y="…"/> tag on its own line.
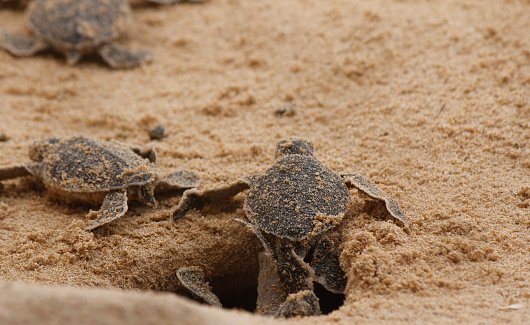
<point x="82" y="164"/>
<point x="78" y="24"/>
<point x="296" y="198"/>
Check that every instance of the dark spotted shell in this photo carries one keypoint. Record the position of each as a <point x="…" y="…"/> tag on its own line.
<point x="77" y="24"/>
<point x="83" y="164"/>
<point x="297" y="197"/>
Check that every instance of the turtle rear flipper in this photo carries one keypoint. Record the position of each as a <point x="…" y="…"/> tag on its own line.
<point x="193" y="279"/>
<point x="114" y="206"/>
<point x="122" y="58"/>
<point x="365" y="185"/>
<point x="21" y="45"/>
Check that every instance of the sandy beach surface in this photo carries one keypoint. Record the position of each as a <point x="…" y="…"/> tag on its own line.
<point x="428" y="99"/>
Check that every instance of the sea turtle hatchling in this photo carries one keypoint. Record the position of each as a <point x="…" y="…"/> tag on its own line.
<point x="75" y="28"/>
<point x="291" y="208"/>
<point x="98" y="171"/>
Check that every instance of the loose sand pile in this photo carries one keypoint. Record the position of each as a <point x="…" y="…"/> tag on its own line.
<point x="428" y="99"/>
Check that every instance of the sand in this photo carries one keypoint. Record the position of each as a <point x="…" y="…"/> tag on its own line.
<point x="428" y="99"/>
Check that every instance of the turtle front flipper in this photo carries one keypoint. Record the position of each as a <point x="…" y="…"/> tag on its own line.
<point x="14" y="171"/>
<point x="365" y="185"/>
<point x="181" y="179"/>
<point x="121" y="58"/>
<point x="192" y="278"/>
<point x="195" y="199"/>
<point x="325" y="262"/>
<point x="114" y="206"/>
<point x="21" y="45"/>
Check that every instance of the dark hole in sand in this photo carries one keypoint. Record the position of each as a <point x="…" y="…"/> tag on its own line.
<point x="245" y="298"/>
<point x="239" y="290"/>
<point x="329" y="301"/>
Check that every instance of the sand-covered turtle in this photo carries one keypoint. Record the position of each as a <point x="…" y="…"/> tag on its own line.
<point x="291" y="208"/>
<point x="75" y="28"/>
<point x="99" y="172"/>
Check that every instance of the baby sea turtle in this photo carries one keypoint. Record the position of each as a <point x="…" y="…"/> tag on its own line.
<point x="76" y="27"/>
<point x="98" y="171"/>
<point x="291" y="208"/>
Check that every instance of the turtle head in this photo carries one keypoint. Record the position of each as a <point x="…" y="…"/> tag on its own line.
<point x="39" y="149"/>
<point x="294" y="146"/>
